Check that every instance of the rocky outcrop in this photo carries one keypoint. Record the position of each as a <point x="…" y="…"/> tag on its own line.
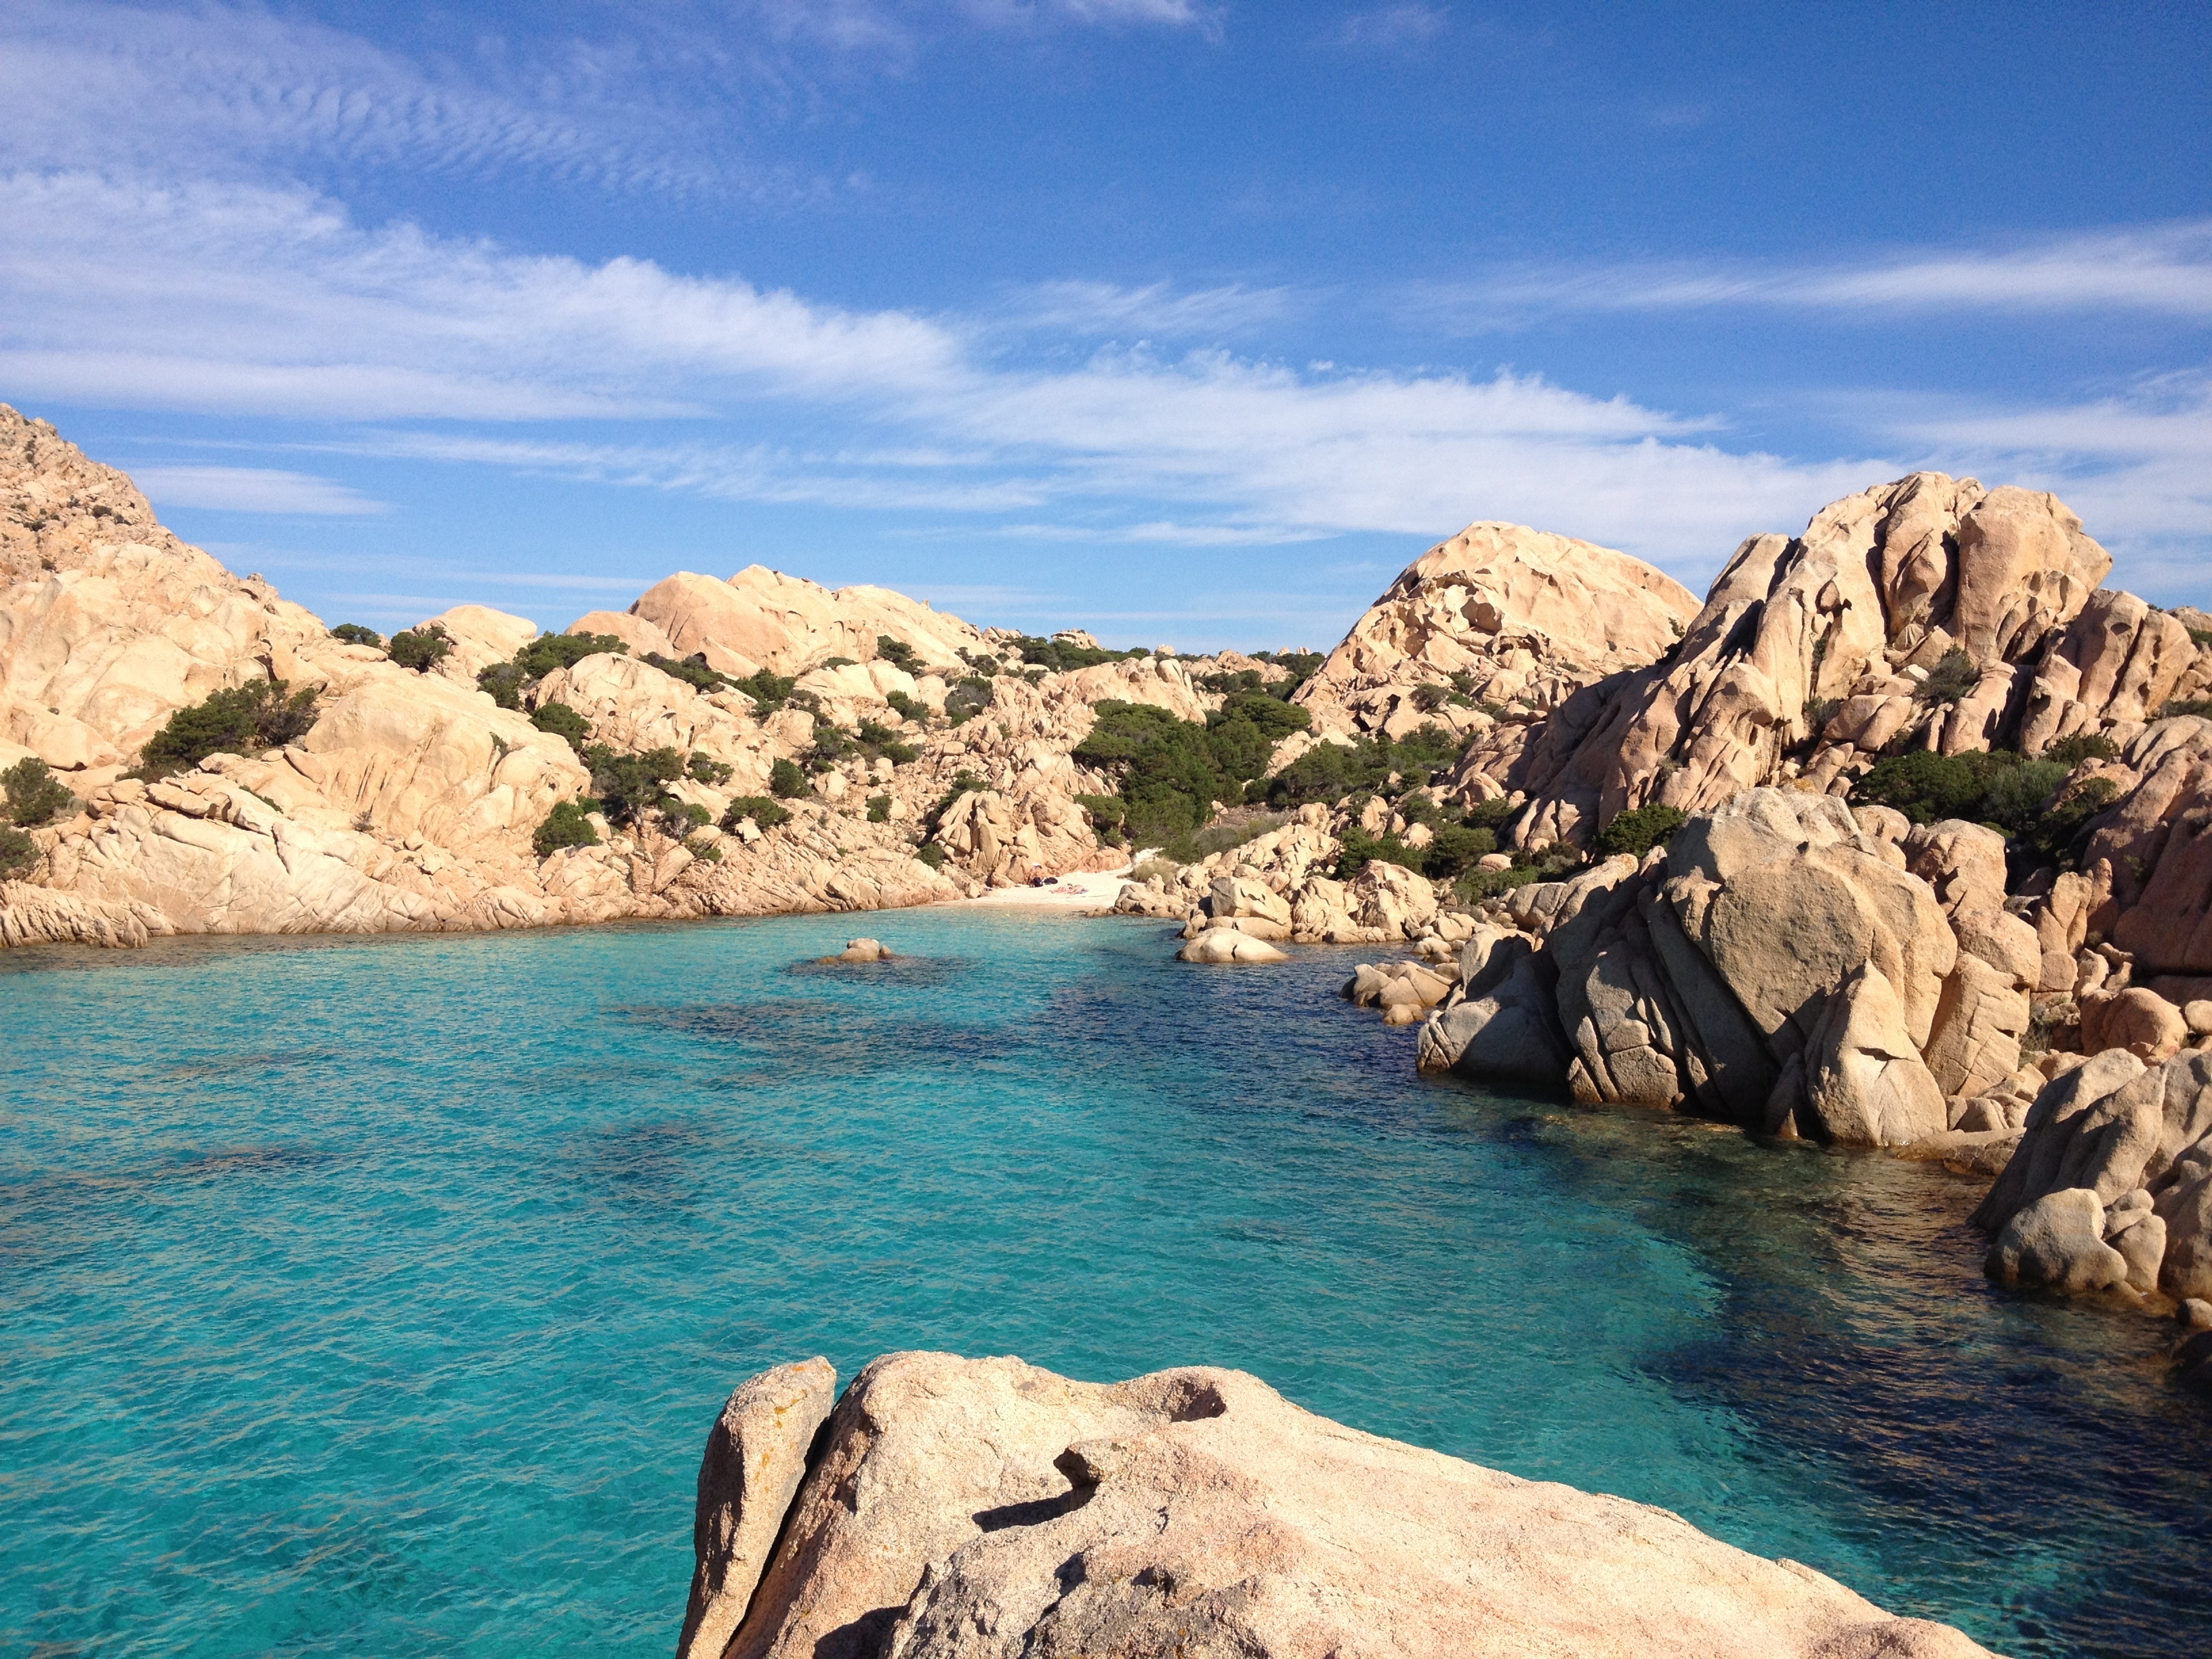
<point x="756" y="1456"/>
<point x="1843" y="624"/>
<point x="1499" y="619"/>
<point x="762" y="619"/>
<point x="1776" y="966"/>
<point x="972" y="1508"/>
<point x="2117" y="1154"/>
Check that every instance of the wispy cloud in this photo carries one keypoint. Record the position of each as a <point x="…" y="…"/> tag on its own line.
<point x="252" y="490"/>
<point x="1391" y="26"/>
<point x="1155" y="311"/>
<point x="2162" y="270"/>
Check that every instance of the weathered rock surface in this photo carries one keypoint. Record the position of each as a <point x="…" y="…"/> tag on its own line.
<point x="1500" y="614"/>
<point x="2112" y="1128"/>
<point x="963" y="1509"/>
<point x="756" y="1457"/>
<point x="1880" y="586"/>
<point x="1220" y="945"/>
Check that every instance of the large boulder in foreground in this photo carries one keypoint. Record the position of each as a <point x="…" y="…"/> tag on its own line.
<point x="980" y="1508"/>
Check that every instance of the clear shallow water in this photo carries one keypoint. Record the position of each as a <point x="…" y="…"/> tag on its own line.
<point x="375" y="1296"/>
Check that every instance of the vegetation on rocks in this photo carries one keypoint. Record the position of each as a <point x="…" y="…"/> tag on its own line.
<point x="765" y="813"/>
<point x="18" y="853"/>
<point x="508" y="681"/>
<point x="239" y="720"/>
<point x="1062" y="657"/>
<point x="567" y="825"/>
<point x="34" y="795"/>
<point x="1328" y="772"/>
<point x="1955" y="674"/>
<point x="355" y="634"/>
<point x="2200" y="706"/>
<point x="631" y="788"/>
<point x="968" y="698"/>
<point x="1637" y="831"/>
<point x="692" y="671"/>
<point x="421" y="648"/>
<point x="2026" y="801"/>
<point x="899" y="654"/>
<point x="563" y="721"/>
<point x="769" y="692"/>
<point x="786" y="780"/>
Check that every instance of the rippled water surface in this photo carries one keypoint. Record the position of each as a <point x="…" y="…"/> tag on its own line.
<point x="374" y="1298"/>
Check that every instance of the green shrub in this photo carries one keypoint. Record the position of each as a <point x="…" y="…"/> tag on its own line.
<point x="551" y="651"/>
<point x="686" y="813"/>
<point x="1953" y="676"/>
<point x="502" y="681"/>
<point x="630" y="786"/>
<point x="786" y="780"/>
<point x="705" y="851"/>
<point x="2070" y="752"/>
<point x="563" y="721"/>
<point x="899" y="654"/>
<point x="566" y="825"/>
<point x="2200" y="636"/>
<point x="1328" y="772"/>
<point x="18" y="853"/>
<point x="968" y="698"/>
<point x="983" y="664"/>
<point x="34" y="793"/>
<point x="909" y="709"/>
<point x="1060" y="658"/>
<point x="931" y="854"/>
<point x="764" y="812"/>
<point x="2012" y="794"/>
<point x="355" y="634"/>
<point x="836" y="662"/>
<point x="1637" y="831"/>
<point x="241" y="720"/>
<point x="1479" y="884"/>
<point x="705" y="768"/>
<point x="1494" y="815"/>
<point x="421" y="648"/>
<point x="2201" y="707"/>
<point x="1819" y="711"/>
<point x="691" y="670"/>
<point x="1456" y="849"/>
<point x="879" y="809"/>
<point x="880" y="741"/>
<point x="769" y="692"/>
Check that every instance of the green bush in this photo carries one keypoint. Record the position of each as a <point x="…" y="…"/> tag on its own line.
<point x="683" y="812"/>
<point x="769" y="692"/>
<point x="18" y="853"/>
<point x="880" y="741"/>
<point x="1060" y="658"/>
<point x="931" y="854"/>
<point x="1328" y="772"/>
<point x="691" y="670"/>
<point x="508" y="681"/>
<point x="34" y="793"/>
<point x="2070" y="752"/>
<point x="1953" y="676"/>
<point x="705" y="768"/>
<point x="241" y="720"/>
<point x="1456" y="849"/>
<point x="421" y="648"/>
<point x="563" y="721"/>
<point x="836" y="662"/>
<point x="2201" y="707"/>
<point x="764" y="812"/>
<point x="968" y="698"/>
<point x="355" y="634"/>
<point x="502" y="681"/>
<point x="879" y="809"/>
<point x="705" y="851"/>
<point x="1637" y="831"/>
<point x="899" y="654"/>
<point x="566" y="825"/>
<point x="629" y="787"/>
<point x="786" y="780"/>
<point x="909" y="709"/>
<point x="2014" y="795"/>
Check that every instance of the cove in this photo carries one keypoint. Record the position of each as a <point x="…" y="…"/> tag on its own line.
<point x="376" y="1295"/>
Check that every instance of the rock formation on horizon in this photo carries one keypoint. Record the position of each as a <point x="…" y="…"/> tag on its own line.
<point x="985" y="1508"/>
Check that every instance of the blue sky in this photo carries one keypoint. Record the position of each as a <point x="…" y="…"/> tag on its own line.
<point x="1189" y="321"/>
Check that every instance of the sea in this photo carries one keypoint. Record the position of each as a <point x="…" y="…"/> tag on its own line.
<point x="376" y="1295"/>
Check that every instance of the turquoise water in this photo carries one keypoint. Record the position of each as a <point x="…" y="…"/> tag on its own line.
<point x="375" y="1296"/>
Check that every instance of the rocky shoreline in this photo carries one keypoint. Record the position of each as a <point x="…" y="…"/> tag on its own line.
<point x="1900" y="839"/>
<point x="958" y="1509"/>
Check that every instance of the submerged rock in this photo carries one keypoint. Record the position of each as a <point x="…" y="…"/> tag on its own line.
<point x="984" y="1509"/>
<point x="861" y="949"/>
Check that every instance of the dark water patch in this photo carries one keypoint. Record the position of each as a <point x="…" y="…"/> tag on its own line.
<point x="249" y="1064"/>
<point x="902" y="972"/>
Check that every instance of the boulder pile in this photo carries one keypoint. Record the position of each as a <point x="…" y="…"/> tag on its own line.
<point x="961" y="1509"/>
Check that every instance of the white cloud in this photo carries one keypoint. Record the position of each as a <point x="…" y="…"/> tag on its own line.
<point x="1393" y="26"/>
<point x="1156" y="311"/>
<point x="2160" y="269"/>
<point x="1174" y="14"/>
<point x="251" y="489"/>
